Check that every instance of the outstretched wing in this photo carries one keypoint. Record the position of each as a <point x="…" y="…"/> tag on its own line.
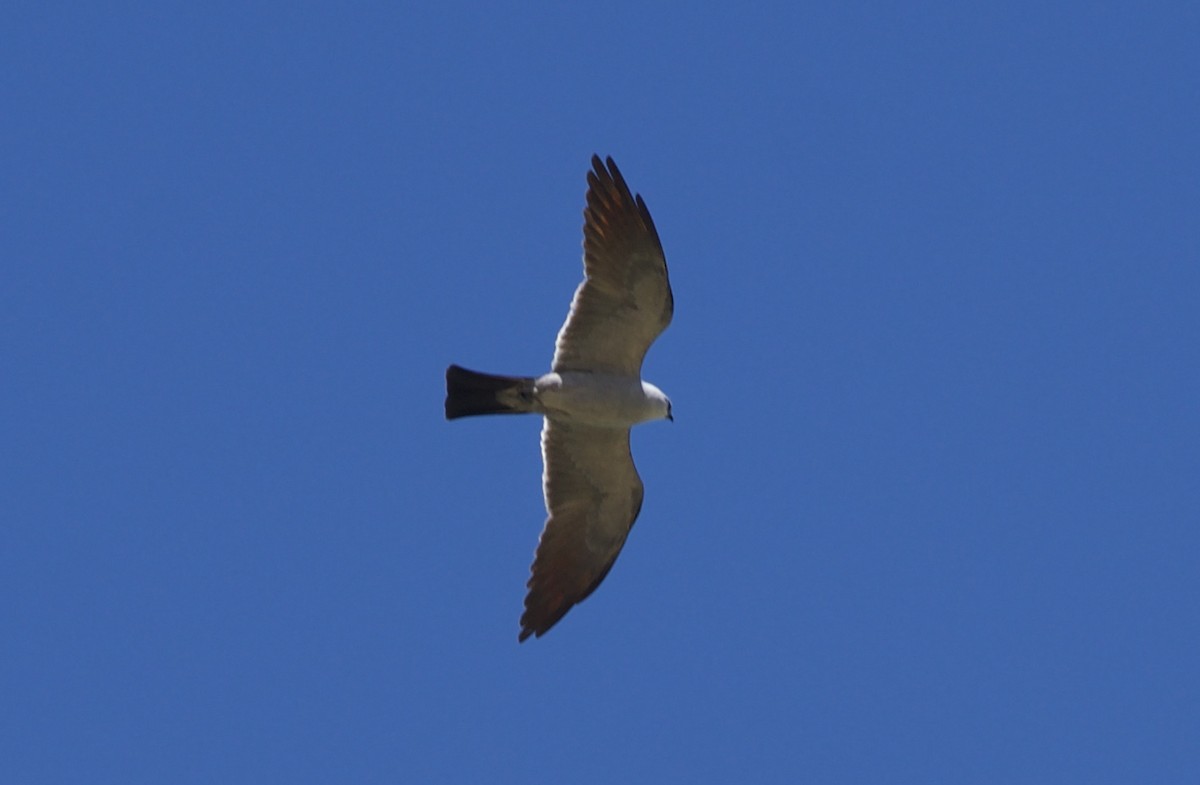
<point x="593" y="495"/>
<point x="625" y="299"/>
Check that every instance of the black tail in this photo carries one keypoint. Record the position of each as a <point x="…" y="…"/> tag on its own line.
<point x="471" y="392"/>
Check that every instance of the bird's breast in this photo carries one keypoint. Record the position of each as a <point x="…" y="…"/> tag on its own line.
<point x="605" y="400"/>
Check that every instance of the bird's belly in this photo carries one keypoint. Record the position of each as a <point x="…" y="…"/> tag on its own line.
<point x="593" y="399"/>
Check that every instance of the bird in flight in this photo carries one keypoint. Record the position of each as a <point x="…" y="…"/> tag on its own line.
<point x="589" y="400"/>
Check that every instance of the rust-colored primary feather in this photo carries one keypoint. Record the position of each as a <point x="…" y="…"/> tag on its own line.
<point x="615" y="221"/>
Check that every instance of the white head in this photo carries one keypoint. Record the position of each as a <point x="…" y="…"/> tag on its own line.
<point x="660" y="404"/>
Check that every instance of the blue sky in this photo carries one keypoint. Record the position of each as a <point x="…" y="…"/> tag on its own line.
<point x="928" y="511"/>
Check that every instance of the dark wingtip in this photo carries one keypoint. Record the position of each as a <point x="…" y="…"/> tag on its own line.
<point x="606" y="168"/>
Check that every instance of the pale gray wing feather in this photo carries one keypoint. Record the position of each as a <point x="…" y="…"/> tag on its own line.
<point x="625" y="300"/>
<point x="593" y="496"/>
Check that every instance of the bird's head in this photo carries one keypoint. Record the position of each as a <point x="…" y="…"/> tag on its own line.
<point x="660" y="404"/>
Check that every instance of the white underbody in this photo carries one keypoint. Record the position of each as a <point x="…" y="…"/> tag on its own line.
<point x="600" y="399"/>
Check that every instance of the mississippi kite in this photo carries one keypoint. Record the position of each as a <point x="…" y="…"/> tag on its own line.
<point x="591" y="398"/>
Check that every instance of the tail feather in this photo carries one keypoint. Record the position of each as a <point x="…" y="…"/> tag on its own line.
<point x="470" y="392"/>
